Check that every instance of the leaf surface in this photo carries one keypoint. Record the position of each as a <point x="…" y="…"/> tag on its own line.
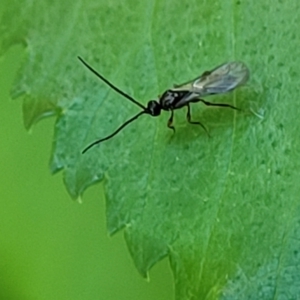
<point x="225" y="210"/>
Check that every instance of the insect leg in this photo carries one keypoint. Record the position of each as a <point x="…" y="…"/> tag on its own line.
<point x="170" y="121"/>
<point x="217" y="104"/>
<point x="188" y="117"/>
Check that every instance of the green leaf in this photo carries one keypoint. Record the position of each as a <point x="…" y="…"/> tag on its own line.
<point x="223" y="209"/>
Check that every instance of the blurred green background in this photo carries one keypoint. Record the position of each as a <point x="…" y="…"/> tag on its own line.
<point x="52" y="247"/>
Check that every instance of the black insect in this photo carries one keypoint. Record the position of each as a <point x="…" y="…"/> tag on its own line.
<point x="221" y="79"/>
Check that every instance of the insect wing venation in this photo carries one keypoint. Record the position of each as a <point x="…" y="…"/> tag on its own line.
<point x="222" y="79"/>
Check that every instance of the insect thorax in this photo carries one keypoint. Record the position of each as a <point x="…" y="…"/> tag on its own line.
<point x="170" y="99"/>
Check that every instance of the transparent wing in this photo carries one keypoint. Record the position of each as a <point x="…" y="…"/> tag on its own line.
<point x="222" y="79"/>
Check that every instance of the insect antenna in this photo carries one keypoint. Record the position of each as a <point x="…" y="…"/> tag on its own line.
<point x="115" y="132"/>
<point x="111" y="85"/>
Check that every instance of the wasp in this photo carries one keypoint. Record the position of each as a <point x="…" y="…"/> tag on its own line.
<point x="221" y="79"/>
